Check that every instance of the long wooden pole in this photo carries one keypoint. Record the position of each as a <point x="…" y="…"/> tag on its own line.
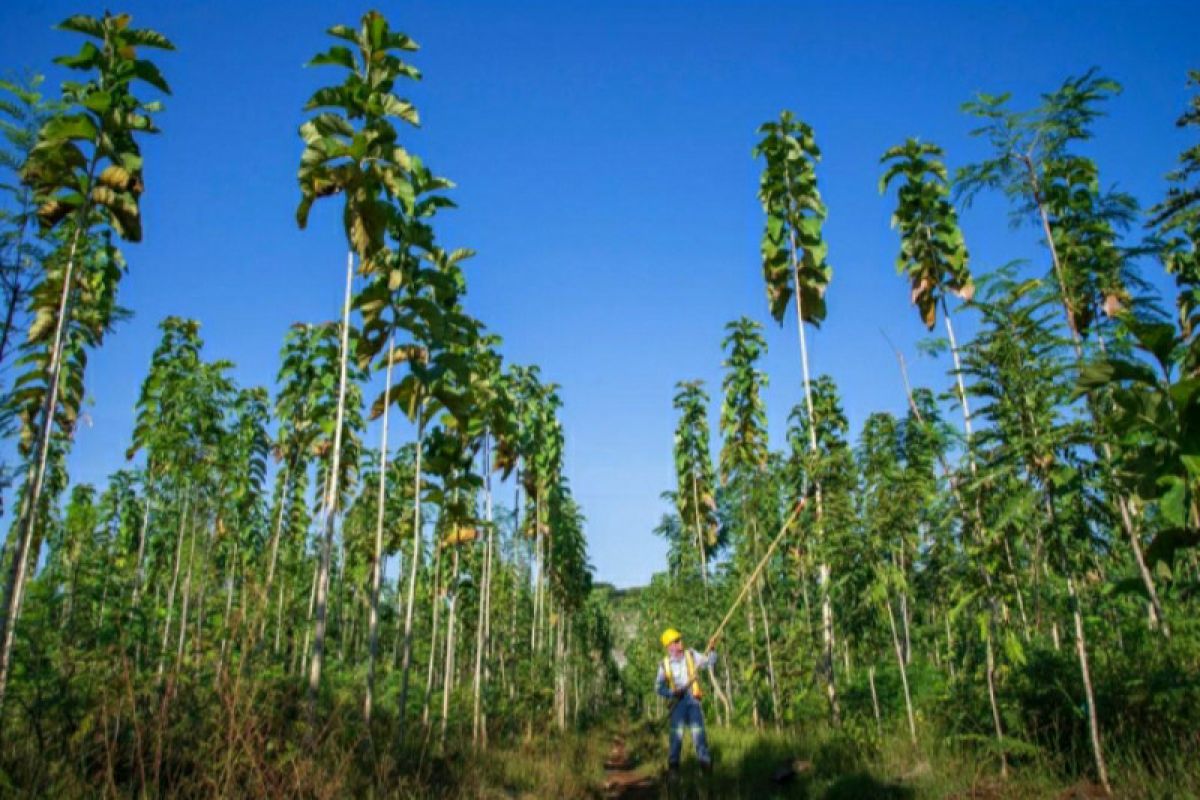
<point x="712" y="640"/>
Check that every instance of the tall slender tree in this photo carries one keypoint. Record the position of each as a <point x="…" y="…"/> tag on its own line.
<point x="888" y="524"/>
<point x="86" y="172"/>
<point x="794" y="265"/>
<point x="695" y="492"/>
<point x="351" y="148"/>
<point x="743" y="465"/>
<point x="1032" y="164"/>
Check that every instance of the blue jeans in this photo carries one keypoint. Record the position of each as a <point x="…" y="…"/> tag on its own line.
<point x="688" y="715"/>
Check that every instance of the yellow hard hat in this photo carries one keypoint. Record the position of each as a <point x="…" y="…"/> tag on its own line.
<point x="670" y="635"/>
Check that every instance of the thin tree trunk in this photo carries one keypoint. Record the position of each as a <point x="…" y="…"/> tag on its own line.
<point x="138" y="574"/>
<point x="1012" y="569"/>
<point x="107" y="567"/>
<point x="808" y="619"/>
<point x="700" y="545"/>
<point x="183" y="525"/>
<point x="1085" y="673"/>
<point x="721" y="690"/>
<point x="481" y="634"/>
<point x="15" y="589"/>
<point x="1122" y="502"/>
<point x="377" y="566"/>
<point x="547" y="598"/>
<point x="228" y="610"/>
<point x="539" y="599"/>
<point x="330" y="505"/>
<point x="284" y="481"/>
<point x="406" y="650"/>
<point x="912" y="725"/>
<point x="752" y="641"/>
<point x="972" y="518"/>
<point x="775" y="714"/>
<point x="827" y="635"/>
<point x="575" y="691"/>
<point x="904" y="609"/>
<point x="949" y="644"/>
<point x="875" y="700"/>
<point x="823" y="573"/>
<point x="448" y="669"/>
<point x="338" y="595"/>
<point x="560" y="670"/>
<point x="312" y="604"/>
<point x="198" y="641"/>
<point x="279" y="614"/>
<point x="435" y="616"/>
<point x="991" y="685"/>
<point x="187" y="595"/>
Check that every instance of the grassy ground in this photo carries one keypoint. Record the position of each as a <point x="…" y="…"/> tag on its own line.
<point x="827" y="766"/>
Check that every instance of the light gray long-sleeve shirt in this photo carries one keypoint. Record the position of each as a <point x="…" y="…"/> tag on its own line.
<point x="679" y="670"/>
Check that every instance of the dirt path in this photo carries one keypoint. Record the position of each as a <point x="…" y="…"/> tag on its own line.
<point x="622" y="777"/>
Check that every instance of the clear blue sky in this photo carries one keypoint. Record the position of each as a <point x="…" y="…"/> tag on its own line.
<point x="602" y="152"/>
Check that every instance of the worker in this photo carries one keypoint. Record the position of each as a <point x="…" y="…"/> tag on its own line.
<point x="679" y="681"/>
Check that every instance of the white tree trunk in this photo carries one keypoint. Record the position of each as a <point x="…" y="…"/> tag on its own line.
<point x="435" y="617"/>
<point x="482" y="638"/>
<point x="284" y="480"/>
<point x="329" y="507"/>
<point x="377" y="566"/>
<point x="28" y="520"/>
<point x="875" y="701"/>
<point x="912" y="725"/>
<point x="187" y="596"/>
<point x="448" y="669"/>
<point x="183" y="524"/>
<point x="414" y="560"/>
<point x="1085" y="672"/>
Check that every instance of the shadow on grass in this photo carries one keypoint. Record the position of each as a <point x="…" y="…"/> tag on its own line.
<point x="752" y="765"/>
<point x="862" y="785"/>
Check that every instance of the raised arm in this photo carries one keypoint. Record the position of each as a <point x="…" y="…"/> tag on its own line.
<point x="705" y="661"/>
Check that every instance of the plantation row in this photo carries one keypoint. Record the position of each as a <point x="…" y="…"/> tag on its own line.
<point x="157" y="631"/>
<point x="1012" y="567"/>
<point x="266" y="603"/>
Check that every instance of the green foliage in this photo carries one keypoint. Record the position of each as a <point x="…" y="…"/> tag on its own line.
<point x="351" y="147"/>
<point x="87" y="157"/>
<point x="96" y="276"/>
<point x="743" y="414"/>
<point x="793" y="249"/>
<point x="1180" y="212"/>
<point x="1180" y="209"/>
<point x="175" y="610"/>
<point x="23" y="112"/>
<point x="932" y="251"/>
<point x="1024" y="143"/>
<point x="1153" y="418"/>
<point x="695" y="493"/>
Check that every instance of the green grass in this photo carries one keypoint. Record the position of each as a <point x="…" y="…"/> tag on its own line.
<point x="269" y="756"/>
<point x="849" y="764"/>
